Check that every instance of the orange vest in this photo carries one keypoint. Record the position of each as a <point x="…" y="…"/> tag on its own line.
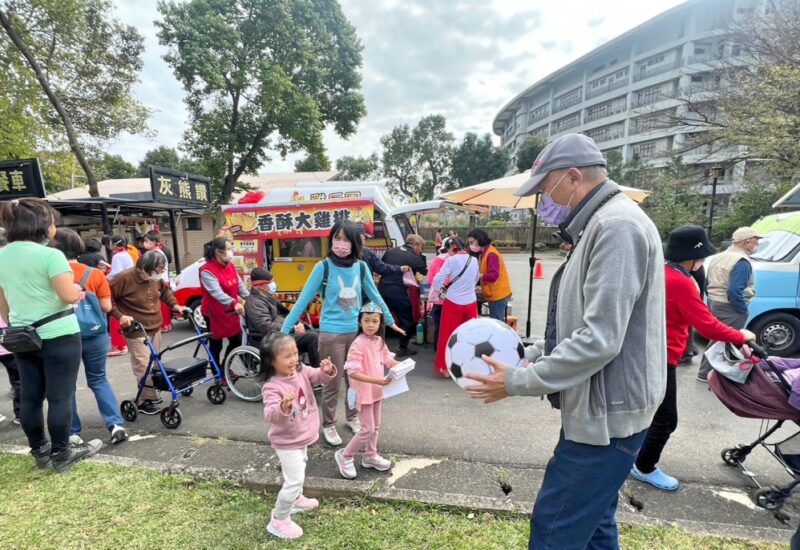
<point x="134" y="252"/>
<point x="501" y="288"/>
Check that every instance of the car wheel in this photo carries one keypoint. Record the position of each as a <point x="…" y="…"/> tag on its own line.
<point x="194" y="305"/>
<point x="779" y="333"/>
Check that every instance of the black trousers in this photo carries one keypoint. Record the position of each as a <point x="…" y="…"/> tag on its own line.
<point x="10" y="364"/>
<point x="664" y="423"/>
<point x="308" y="342"/>
<point x="49" y="373"/>
<point x="396" y="299"/>
<point x="216" y="346"/>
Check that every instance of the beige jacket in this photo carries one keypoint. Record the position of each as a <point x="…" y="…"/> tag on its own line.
<point x="719" y="274"/>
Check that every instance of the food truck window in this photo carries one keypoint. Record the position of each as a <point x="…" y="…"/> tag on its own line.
<point x="378" y="229"/>
<point x="405" y="226"/>
<point x="307" y="247"/>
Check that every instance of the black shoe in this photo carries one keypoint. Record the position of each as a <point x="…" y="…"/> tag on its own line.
<point x="405" y="352"/>
<point x="42" y="456"/>
<point x="148" y="407"/>
<point x="63" y="461"/>
<point x="692" y="352"/>
<point x="685" y="360"/>
<point x="702" y="377"/>
<point x="118" y="434"/>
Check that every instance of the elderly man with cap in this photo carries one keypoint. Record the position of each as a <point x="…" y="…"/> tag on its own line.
<point x="687" y="248"/>
<point x="730" y="282"/>
<point x="603" y="360"/>
<point x="264" y="314"/>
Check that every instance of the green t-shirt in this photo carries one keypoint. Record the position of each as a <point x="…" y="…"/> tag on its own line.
<point x="25" y="272"/>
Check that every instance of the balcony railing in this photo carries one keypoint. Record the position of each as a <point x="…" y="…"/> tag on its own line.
<point x="566" y="125"/>
<point x="702" y="58"/>
<point x="560" y="105"/>
<point x="602" y="137"/>
<point x="604" y="89"/>
<point x="666" y="67"/>
<point x="535" y="117"/>
<point x="604" y="113"/>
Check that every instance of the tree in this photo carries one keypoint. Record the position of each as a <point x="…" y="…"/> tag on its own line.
<point x="112" y="167"/>
<point x="674" y="200"/>
<point x="752" y="111"/>
<point x="418" y="162"/>
<point x="261" y="75"/>
<point x="528" y="152"/>
<point x="753" y="201"/>
<point x="85" y="64"/>
<point x="169" y="157"/>
<point x="477" y="160"/>
<point x="630" y="173"/>
<point x="359" y="168"/>
<point x="315" y="162"/>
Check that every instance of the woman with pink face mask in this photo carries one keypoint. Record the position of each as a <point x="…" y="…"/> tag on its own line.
<point x="344" y="282"/>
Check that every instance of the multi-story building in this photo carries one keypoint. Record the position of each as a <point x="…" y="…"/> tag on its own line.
<point x="630" y="93"/>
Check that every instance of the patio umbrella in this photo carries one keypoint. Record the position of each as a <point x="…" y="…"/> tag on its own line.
<point x="500" y="192"/>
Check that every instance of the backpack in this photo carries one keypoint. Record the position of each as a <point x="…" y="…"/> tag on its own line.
<point x="324" y="285"/>
<point x="91" y="319"/>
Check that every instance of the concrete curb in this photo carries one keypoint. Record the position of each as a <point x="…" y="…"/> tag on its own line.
<point x="258" y="481"/>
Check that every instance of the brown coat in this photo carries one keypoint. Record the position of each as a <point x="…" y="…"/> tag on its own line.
<point x="134" y="294"/>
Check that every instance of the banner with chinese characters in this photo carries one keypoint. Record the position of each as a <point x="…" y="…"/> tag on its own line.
<point x="21" y="178"/>
<point x="180" y="188"/>
<point x="296" y="221"/>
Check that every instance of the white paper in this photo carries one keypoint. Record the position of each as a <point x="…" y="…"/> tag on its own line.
<point x="395" y="387"/>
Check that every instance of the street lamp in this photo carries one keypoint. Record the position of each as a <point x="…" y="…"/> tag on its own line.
<point x="716" y="173"/>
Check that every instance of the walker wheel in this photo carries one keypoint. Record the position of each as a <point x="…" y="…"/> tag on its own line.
<point x="171" y="417"/>
<point x="216" y="394"/>
<point x="187" y="392"/>
<point x="129" y="410"/>
<point x="770" y="499"/>
<point x="733" y="456"/>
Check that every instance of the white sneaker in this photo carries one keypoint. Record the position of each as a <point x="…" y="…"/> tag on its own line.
<point x="2" y="419"/>
<point x="354" y="425"/>
<point x="376" y="462"/>
<point x="346" y="465"/>
<point x="75" y="439"/>
<point x="331" y="436"/>
<point x="118" y="434"/>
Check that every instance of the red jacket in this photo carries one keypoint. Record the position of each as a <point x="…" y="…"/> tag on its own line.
<point x="685" y="308"/>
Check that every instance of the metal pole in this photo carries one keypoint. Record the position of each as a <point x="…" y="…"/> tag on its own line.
<point x="176" y="257"/>
<point x="104" y="219"/>
<point x="711" y="210"/>
<point x="532" y="263"/>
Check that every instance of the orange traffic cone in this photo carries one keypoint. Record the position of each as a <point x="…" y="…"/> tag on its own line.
<point x="538" y="272"/>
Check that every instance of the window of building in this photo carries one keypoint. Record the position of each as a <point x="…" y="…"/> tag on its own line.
<point x="655" y="60"/>
<point x="539" y="113"/>
<point x="541" y="132"/>
<point x="697" y="78"/>
<point x="567" y="122"/>
<point x="194" y="224"/>
<point x="598" y="69"/>
<point x="613" y="62"/>
<point x="570" y="98"/>
<point x="736" y="49"/>
<point x="648" y="95"/>
<point x="645" y="149"/>
<point x="699" y="51"/>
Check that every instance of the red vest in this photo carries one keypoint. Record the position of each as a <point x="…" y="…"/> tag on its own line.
<point x="224" y="321"/>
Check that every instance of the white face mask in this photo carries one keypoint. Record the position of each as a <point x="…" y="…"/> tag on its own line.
<point x="229" y="255"/>
<point x="155" y="276"/>
<point x="273" y="287"/>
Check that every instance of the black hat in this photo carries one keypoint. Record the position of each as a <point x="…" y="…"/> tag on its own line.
<point x="688" y="242"/>
<point x="260" y="276"/>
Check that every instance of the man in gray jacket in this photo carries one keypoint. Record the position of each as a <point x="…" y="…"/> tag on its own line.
<point x="604" y="355"/>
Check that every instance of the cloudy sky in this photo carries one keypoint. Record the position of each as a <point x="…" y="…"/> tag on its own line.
<point x="461" y="58"/>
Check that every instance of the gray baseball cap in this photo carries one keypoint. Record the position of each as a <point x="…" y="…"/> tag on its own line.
<point x="570" y="151"/>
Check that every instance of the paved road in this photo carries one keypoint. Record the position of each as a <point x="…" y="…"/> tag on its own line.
<point x="436" y="418"/>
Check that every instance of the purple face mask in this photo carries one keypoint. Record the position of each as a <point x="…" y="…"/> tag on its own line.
<point x="552" y="212"/>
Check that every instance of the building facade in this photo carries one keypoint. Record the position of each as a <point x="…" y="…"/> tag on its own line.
<point x="629" y="94"/>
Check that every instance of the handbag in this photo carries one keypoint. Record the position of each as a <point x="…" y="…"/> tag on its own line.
<point x="25" y="339"/>
<point x="443" y="292"/>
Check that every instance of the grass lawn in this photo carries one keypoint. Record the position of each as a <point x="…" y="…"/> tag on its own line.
<point x="103" y="506"/>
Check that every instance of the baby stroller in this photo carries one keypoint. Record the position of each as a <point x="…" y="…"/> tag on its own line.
<point x="177" y="376"/>
<point x="765" y="395"/>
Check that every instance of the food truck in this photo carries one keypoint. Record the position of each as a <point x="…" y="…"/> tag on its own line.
<point x="286" y="230"/>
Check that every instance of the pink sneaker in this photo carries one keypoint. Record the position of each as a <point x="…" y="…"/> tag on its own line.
<point x="284" y="528"/>
<point x="303" y="504"/>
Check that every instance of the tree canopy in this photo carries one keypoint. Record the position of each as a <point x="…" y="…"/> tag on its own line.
<point x="359" y="168"/>
<point x="261" y="76"/>
<point x="315" y="162"/>
<point x="83" y="64"/>
<point x="528" y="152"/>
<point x="477" y="160"/>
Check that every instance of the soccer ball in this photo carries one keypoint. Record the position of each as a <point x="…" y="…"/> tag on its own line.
<point x="482" y="336"/>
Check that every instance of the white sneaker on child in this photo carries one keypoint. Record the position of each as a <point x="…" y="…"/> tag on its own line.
<point x="354" y="425"/>
<point x="376" y="462"/>
<point x="304" y="504"/>
<point x="346" y="466"/>
<point x="331" y="436"/>
<point x="284" y="528"/>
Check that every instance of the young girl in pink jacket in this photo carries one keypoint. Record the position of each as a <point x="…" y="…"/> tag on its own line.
<point x="291" y="410"/>
<point x="366" y="359"/>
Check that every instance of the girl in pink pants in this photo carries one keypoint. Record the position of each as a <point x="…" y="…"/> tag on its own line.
<point x="366" y="359"/>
